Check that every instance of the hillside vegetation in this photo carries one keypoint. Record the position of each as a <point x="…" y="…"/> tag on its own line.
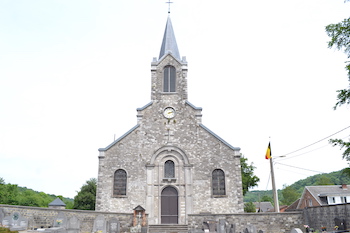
<point x="11" y="194"/>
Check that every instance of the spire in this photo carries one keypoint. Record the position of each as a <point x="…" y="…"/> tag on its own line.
<point x="169" y="42"/>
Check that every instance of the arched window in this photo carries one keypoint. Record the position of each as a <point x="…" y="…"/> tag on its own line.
<point x="169" y="169"/>
<point x="119" y="188"/>
<point x="218" y="182"/>
<point x="169" y="79"/>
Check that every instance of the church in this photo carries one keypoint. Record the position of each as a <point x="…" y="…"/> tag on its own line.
<point x="169" y="163"/>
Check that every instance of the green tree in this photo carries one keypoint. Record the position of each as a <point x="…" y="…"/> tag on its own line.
<point x="9" y="194"/>
<point x="340" y="39"/>
<point x="290" y="195"/>
<point x="266" y="198"/>
<point x="249" y="207"/>
<point x="249" y="180"/>
<point x="69" y="204"/>
<point x="86" y="197"/>
<point x="324" y="180"/>
<point x="346" y="171"/>
<point x="45" y="199"/>
<point x="30" y="198"/>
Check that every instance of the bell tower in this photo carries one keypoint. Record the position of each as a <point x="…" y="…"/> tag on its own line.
<point x="169" y="71"/>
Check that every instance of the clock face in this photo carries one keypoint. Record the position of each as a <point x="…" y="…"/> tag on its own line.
<point x="169" y="112"/>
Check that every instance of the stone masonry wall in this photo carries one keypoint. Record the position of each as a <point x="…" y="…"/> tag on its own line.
<point x="315" y="217"/>
<point x="267" y="222"/>
<point x="44" y="217"/>
<point x="319" y="216"/>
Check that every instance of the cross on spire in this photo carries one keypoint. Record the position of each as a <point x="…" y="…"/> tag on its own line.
<point x="169" y="6"/>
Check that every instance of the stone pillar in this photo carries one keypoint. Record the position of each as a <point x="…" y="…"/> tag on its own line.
<point x="188" y="190"/>
<point x="150" y="193"/>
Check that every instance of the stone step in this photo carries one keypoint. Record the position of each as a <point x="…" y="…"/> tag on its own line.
<point x="168" y="228"/>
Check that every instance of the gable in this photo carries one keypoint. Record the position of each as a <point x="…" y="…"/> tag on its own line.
<point x="119" y="139"/>
<point x="219" y="138"/>
<point x="321" y="193"/>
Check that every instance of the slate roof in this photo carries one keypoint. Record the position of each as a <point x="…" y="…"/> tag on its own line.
<point x="139" y="208"/>
<point x="293" y="206"/>
<point x="57" y="202"/>
<point x="326" y="191"/>
<point x="264" y="206"/>
<point x="169" y="44"/>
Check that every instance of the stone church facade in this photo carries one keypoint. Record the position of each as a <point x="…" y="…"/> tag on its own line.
<point x="169" y="163"/>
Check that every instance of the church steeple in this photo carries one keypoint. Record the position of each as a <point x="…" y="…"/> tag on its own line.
<point x="169" y="72"/>
<point x="169" y="42"/>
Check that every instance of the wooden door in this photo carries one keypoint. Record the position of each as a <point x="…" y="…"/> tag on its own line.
<point x="169" y="206"/>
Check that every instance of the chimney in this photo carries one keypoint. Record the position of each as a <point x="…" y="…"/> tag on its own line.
<point x="344" y="187"/>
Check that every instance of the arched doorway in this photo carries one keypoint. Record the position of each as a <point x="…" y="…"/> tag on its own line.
<point x="169" y="206"/>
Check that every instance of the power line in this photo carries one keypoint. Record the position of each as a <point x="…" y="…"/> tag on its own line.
<point x="290" y="157"/>
<point x="304" y="153"/>
<point x="293" y="171"/>
<point x="316" y="142"/>
<point x="299" y="168"/>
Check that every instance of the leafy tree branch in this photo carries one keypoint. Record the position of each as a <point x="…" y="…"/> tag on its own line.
<point x="249" y="180"/>
<point x="340" y="39"/>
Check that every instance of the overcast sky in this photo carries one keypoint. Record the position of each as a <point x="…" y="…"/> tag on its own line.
<point x="72" y="74"/>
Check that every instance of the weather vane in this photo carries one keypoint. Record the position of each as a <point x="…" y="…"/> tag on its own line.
<point x="169" y="6"/>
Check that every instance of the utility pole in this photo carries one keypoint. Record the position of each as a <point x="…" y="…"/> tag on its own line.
<point x="274" y="190"/>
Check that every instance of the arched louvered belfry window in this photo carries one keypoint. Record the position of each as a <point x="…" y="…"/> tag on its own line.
<point x="119" y="185"/>
<point x="169" y="81"/>
<point x="169" y="169"/>
<point x="218" y="182"/>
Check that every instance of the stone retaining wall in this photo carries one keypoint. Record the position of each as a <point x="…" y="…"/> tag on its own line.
<point x="44" y="217"/>
<point x="326" y="216"/>
<point x="267" y="222"/>
<point x="315" y="217"/>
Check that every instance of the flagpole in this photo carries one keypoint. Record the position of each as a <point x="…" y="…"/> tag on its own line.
<point x="274" y="190"/>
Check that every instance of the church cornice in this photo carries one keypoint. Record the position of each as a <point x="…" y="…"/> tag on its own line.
<point x="139" y="111"/>
<point x="119" y="139"/>
<point x="198" y="111"/>
<point x="192" y="106"/>
<point x="144" y="107"/>
<point x="219" y="138"/>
